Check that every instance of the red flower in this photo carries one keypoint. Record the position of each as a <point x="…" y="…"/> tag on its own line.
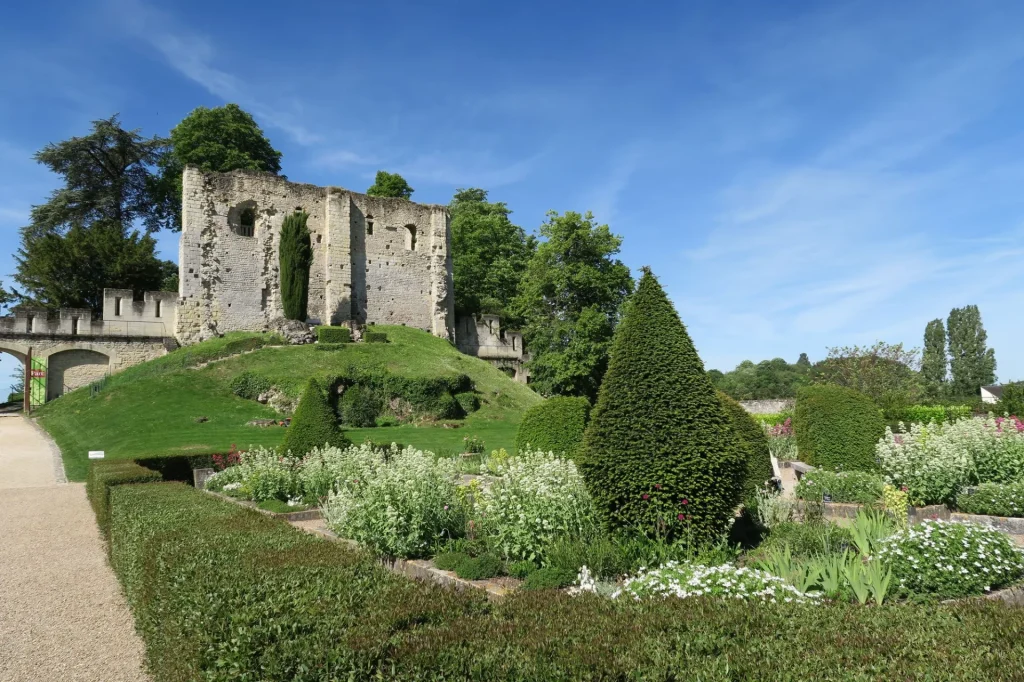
<point x="682" y="516"/>
<point x="685" y="501"/>
<point x="645" y="496"/>
<point x="657" y="486"/>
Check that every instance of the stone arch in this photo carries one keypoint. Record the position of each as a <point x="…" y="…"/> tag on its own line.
<point x="102" y="350"/>
<point x="18" y="350"/>
<point x="73" y="367"/>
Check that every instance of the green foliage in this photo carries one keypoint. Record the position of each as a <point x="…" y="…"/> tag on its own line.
<point x="447" y="407"/>
<point x="333" y="335"/>
<point x="837" y="428"/>
<point x="104" y="475"/>
<point x="447" y="561"/>
<point x="479" y="568"/>
<point x="933" y="360"/>
<point x="1012" y="400"/>
<point x="860" y="487"/>
<point x="468" y="401"/>
<point x="752" y="442"/>
<point x="220" y="139"/>
<point x="569" y="300"/>
<point x="767" y="380"/>
<point x="972" y="364"/>
<point x="911" y="414"/>
<point x="360" y="406"/>
<point x="659" y="452"/>
<point x="548" y="578"/>
<point x="390" y="185"/>
<point x="250" y="385"/>
<point x="555" y="425"/>
<point x="884" y="372"/>
<point x="296" y="257"/>
<point x="772" y="418"/>
<point x="993" y="499"/>
<point x="375" y="337"/>
<point x="313" y="425"/>
<point x="489" y="253"/>
<point x="521" y="569"/>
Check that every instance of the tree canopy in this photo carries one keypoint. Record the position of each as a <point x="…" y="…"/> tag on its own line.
<point x="569" y="301"/>
<point x="767" y="380"/>
<point x="933" y="360"/>
<point x="887" y="373"/>
<point x="489" y="254"/>
<point x="219" y="139"/>
<point x="387" y="184"/>
<point x="972" y="364"/>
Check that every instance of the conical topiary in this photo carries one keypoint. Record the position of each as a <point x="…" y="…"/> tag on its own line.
<point x="659" y="456"/>
<point x="313" y="425"/>
<point x="754" y="443"/>
<point x="296" y="257"/>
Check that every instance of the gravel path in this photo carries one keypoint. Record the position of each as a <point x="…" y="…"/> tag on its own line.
<point x="62" y="613"/>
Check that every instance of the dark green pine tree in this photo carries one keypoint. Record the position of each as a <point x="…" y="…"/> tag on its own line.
<point x="313" y="425"/>
<point x="660" y="456"/>
<point x="296" y="258"/>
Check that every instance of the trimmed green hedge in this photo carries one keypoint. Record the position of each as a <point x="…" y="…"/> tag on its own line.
<point x="433" y="396"/>
<point x="375" y="337"/>
<point x="1012" y="402"/>
<point x="333" y="335"/>
<point x="359" y="406"/>
<point x="104" y="475"/>
<point x="313" y="424"/>
<point x="753" y="442"/>
<point x="837" y="427"/>
<point x="220" y="592"/>
<point x="555" y="425"/>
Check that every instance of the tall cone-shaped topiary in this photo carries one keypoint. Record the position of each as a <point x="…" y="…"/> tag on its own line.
<point x="754" y="443"/>
<point x="296" y="257"/>
<point x="659" y="455"/>
<point x="313" y="425"/>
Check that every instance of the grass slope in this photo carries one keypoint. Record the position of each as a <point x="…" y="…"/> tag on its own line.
<point x="151" y="409"/>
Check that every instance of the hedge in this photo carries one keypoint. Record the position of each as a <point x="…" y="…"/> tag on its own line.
<point x="837" y="427"/>
<point x="659" y="454"/>
<point x="754" y="443"/>
<point x="359" y="407"/>
<point x="426" y="395"/>
<point x="104" y="475"/>
<point x="1012" y="401"/>
<point x="250" y="385"/>
<point x="220" y="592"/>
<point x="375" y="337"/>
<point x="555" y="425"/>
<point x="333" y="335"/>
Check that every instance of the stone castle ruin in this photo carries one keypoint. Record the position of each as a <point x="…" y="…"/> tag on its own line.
<point x="376" y="260"/>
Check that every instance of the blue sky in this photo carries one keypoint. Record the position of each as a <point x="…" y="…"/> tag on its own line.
<point x="799" y="174"/>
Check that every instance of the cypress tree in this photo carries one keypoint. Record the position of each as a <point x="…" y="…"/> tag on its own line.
<point x="296" y="257"/>
<point x="313" y="425"/>
<point x="753" y="442"/>
<point x="933" y="360"/>
<point x="659" y="455"/>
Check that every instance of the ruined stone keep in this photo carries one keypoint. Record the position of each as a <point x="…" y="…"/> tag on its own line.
<point x="375" y="259"/>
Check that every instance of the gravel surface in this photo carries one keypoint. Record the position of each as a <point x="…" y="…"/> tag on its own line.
<point x="62" y="613"/>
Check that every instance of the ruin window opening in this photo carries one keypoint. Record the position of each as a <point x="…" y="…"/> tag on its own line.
<point x="410" y="237"/>
<point x="158" y="304"/>
<point x="74" y="325"/>
<point x="30" y="323"/>
<point x="117" y="306"/>
<point x="513" y="343"/>
<point x="369" y="224"/>
<point x="264" y="295"/>
<point x="247" y="222"/>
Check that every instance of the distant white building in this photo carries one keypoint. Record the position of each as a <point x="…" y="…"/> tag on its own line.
<point x="991" y="394"/>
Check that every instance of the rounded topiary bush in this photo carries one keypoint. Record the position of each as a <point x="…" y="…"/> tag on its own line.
<point x="837" y="428"/>
<point x="313" y="425"/>
<point x="754" y="443"/>
<point x="360" y="406"/>
<point x="659" y="455"/>
<point x="555" y="425"/>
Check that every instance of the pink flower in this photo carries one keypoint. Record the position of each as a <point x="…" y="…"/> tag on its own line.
<point x="446" y="507"/>
<point x="645" y="496"/>
<point x="682" y="516"/>
<point x="685" y="501"/>
<point x="657" y="486"/>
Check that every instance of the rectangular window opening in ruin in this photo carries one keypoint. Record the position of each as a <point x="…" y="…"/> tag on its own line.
<point x="410" y="237"/>
<point x="158" y="304"/>
<point x="74" y="325"/>
<point x="369" y="227"/>
<point x="30" y="323"/>
<point x="265" y="294"/>
<point x="117" y="306"/>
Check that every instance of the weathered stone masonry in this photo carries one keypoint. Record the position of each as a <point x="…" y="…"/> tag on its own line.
<point x="375" y="259"/>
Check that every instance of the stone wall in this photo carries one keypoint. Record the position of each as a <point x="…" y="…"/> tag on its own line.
<point x="375" y="260"/>
<point x="768" y="406"/>
<point x="483" y="337"/>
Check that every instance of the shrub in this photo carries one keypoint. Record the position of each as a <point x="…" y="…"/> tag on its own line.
<point x="296" y="257"/>
<point x="1012" y="401"/>
<point x="479" y="568"/>
<point x="313" y="425"/>
<point x="447" y="407"/>
<point x="753" y="443"/>
<point x="947" y="559"/>
<point x="727" y="581"/>
<point x="447" y="561"/>
<point x="468" y="401"/>
<point x="860" y="487"/>
<point x="993" y="499"/>
<point x="360" y="406"/>
<point x="399" y="502"/>
<point x="837" y="427"/>
<point x="250" y="385"/>
<point x="782" y="440"/>
<point x="521" y="569"/>
<point x="934" y="461"/>
<point x="537" y="499"/>
<point x="928" y="413"/>
<point x="658" y="435"/>
<point x="333" y="335"/>
<point x="773" y="418"/>
<point x="375" y="337"/>
<point x="549" y="578"/>
<point x="103" y="475"/>
<point x="555" y="425"/>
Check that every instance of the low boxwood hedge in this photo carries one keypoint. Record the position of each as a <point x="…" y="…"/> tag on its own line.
<point x="105" y="474"/>
<point x="375" y="337"/>
<point x="555" y="425"/>
<point x="333" y="335"/>
<point x="220" y="592"/>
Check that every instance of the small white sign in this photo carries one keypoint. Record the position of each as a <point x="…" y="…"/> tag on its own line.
<point x="95" y="454"/>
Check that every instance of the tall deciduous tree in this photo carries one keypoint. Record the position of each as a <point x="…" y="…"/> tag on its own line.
<point x="933" y="360"/>
<point x="83" y="239"/>
<point x="489" y="253"/>
<point x="972" y="364"/>
<point x="569" y="300"/>
<point x="220" y="139"/>
<point x="390" y="185"/>
<point x="887" y="373"/>
<point x="296" y="256"/>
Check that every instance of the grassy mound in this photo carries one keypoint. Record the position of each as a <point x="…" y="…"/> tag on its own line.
<point x="156" y="408"/>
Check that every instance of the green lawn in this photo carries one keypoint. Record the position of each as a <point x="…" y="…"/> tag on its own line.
<point x="152" y="409"/>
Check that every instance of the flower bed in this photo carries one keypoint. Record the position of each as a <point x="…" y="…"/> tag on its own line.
<point x="993" y="499"/>
<point x="725" y="581"/>
<point x="859" y="487"/>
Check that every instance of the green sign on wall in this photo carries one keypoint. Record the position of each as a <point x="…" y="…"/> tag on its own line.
<point x="37" y="382"/>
